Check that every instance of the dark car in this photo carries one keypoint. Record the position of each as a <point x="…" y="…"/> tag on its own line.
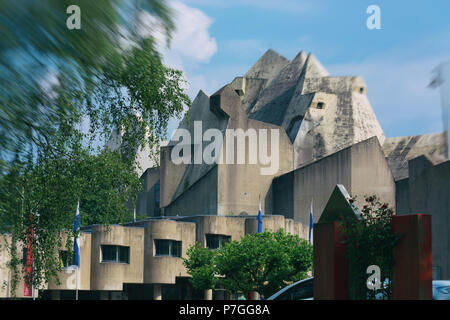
<point x="300" y="290"/>
<point x="441" y="290"/>
<point x="303" y="290"/>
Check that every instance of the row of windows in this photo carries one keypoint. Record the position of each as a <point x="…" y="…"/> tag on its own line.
<point x="121" y="254"/>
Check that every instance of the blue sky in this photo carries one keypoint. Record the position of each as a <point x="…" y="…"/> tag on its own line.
<point x="217" y="40"/>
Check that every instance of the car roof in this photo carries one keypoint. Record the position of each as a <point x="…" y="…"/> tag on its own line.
<point x="441" y="283"/>
<point x="276" y="294"/>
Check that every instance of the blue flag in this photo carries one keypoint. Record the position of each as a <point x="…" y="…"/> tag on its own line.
<point x="76" y="242"/>
<point x="311" y="224"/>
<point x="260" y="228"/>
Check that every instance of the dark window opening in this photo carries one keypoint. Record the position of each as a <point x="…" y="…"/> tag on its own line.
<point x="24" y="257"/>
<point x="320" y="105"/>
<point x="361" y="90"/>
<point x="215" y="241"/>
<point x="157" y="210"/>
<point x="112" y="253"/>
<point x="65" y="260"/>
<point x="294" y="126"/>
<point x="170" y="248"/>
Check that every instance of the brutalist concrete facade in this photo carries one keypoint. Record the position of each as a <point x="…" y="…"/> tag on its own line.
<point x="143" y="273"/>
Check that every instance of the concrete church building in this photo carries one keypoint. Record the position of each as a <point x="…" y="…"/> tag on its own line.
<point x="327" y="134"/>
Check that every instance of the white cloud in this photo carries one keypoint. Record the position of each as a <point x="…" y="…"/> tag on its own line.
<point x="191" y="43"/>
<point x="190" y="40"/>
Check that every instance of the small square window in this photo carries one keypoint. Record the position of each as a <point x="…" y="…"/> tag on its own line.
<point x="320" y="105"/>
<point x="112" y="253"/>
<point x="215" y="241"/>
<point x="171" y="248"/>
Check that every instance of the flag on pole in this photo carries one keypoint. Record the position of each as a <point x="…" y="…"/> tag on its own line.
<point x="27" y="291"/>
<point x="76" y="242"/>
<point x="260" y="228"/>
<point x="311" y="223"/>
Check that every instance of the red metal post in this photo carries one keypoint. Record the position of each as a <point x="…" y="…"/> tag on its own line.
<point x="412" y="274"/>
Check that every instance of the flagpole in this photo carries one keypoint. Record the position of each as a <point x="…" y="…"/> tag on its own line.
<point x="76" y="283"/>
<point x="76" y="246"/>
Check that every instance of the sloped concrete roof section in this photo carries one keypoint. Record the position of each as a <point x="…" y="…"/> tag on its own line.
<point x="226" y="103"/>
<point x="321" y="114"/>
<point x="400" y="150"/>
<point x="285" y="80"/>
<point x="184" y="175"/>
<point x="313" y="68"/>
<point x="199" y="108"/>
<point x="268" y="66"/>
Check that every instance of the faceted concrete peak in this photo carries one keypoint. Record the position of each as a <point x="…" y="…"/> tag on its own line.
<point x="268" y="66"/>
<point x="338" y="206"/>
<point x="201" y="94"/>
<point x="300" y="57"/>
<point x="226" y="102"/>
<point x="313" y="68"/>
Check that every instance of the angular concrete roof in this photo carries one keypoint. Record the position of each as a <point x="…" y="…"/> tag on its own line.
<point x="320" y="113"/>
<point x="268" y="66"/>
<point x="286" y="79"/>
<point x="400" y="150"/>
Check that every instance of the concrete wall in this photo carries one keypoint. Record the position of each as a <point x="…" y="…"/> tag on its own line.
<point x="177" y="178"/>
<point x="164" y="269"/>
<point x="144" y="266"/>
<point x="238" y="226"/>
<point x="225" y="188"/>
<point x="111" y="275"/>
<point x="6" y="275"/>
<point x="345" y="119"/>
<point x="241" y="185"/>
<point x="361" y="168"/>
<point x="146" y="203"/>
<point x="199" y="198"/>
<point x="427" y="191"/>
<point x="67" y="277"/>
<point x="371" y="173"/>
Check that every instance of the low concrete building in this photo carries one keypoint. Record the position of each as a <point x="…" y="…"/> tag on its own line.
<point x="144" y="259"/>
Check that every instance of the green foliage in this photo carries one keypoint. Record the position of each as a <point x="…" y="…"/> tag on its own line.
<point x="200" y="266"/>
<point x="137" y="94"/>
<point x="36" y="46"/>
<point x="263" y="262"/>
<point x="370" y="241"/>
<point x="48" y="159"/>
